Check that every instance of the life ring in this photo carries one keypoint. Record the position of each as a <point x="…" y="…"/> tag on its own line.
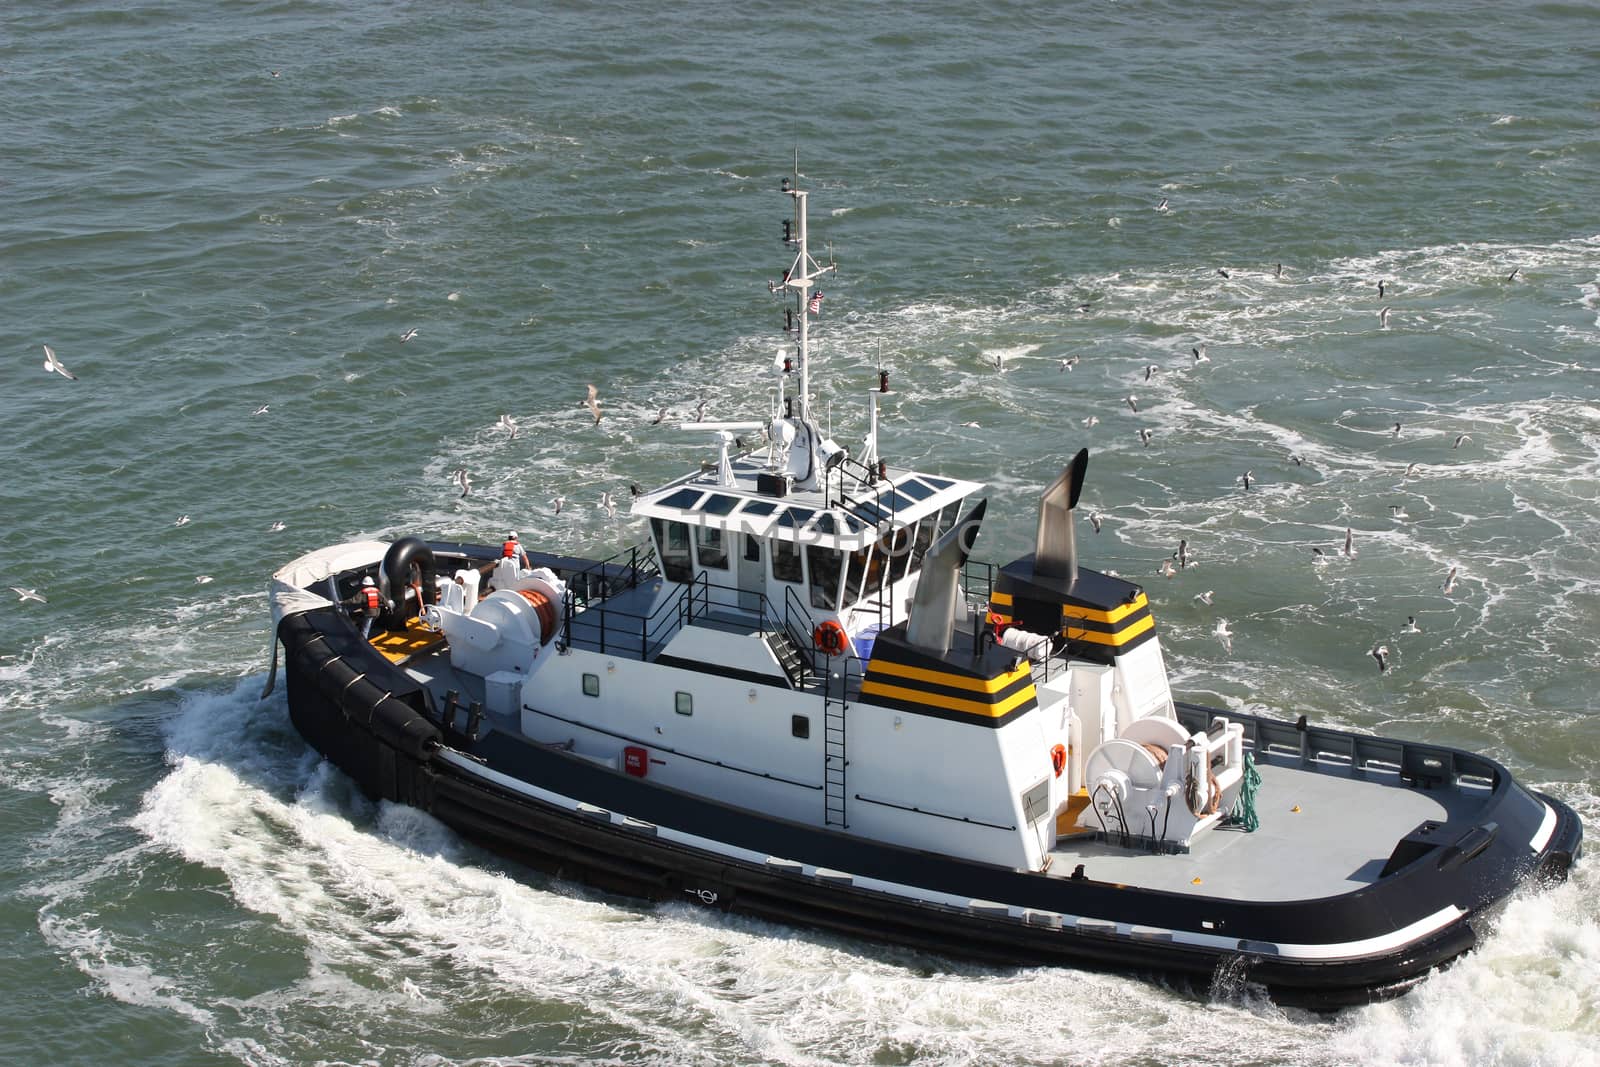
<point x="829" y="636"/>
<point x="1058" y="758"/>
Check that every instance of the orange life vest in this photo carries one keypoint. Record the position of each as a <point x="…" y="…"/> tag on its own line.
<point x="509" y="549"/>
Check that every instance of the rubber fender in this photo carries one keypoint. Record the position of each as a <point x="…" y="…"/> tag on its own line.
<point x="334" y="676"/>
<point x="360" y="701"/>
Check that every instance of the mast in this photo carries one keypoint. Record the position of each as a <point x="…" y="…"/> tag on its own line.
<point x="799" y="281"/>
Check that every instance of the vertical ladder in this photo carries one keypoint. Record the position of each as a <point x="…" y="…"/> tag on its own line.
<point x="834" y="760"/>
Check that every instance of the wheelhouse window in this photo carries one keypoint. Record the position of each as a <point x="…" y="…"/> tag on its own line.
<point x="672" y="546"/>
<point x="900" y="548"/>
<point x="786" y="565"/>
<point x="855" y="572"/>
<point x="825" y="565"/>
<point x="711" y="546"/>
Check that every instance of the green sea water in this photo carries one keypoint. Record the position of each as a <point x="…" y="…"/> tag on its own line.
<point x="210" y="209"/>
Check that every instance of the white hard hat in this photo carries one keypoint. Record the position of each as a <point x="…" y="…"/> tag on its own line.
<point x="366" y="581"/>
<point x="512" y="536"/>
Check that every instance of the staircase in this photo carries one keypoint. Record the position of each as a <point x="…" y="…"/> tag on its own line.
<point x="788" y="656"/>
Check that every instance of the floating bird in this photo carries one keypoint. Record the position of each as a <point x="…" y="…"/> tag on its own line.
<point x="558" y="502"/>
<point x="1411" y="626"/>
<point x="1247" y="478"/>
<point x="1380" y="652"/>
<point x="1162" y="207"/>
<point x="1133" y="403"/>
<point x="1200" y="355"/>
<point x="1205" y="598"/>
<point x="1182" y="555"/>
<point x="1095" y="520"/>
<point x="1144" y="437"/>
<point x="1449" y="582"/>
<point x="1224" y="273"/>
<point x="464" y="480"/>
<point x="25" y="595"/>
<point x="1069" y="363"/>
<point x="51" y="363"/>
<point x="262" y="410"/>
<point x="276" y="527"/>
<point x="183" y="520"/>
<point x="1149" y="369"/>
<point x="1166" y="570"/>
<point x="1224" y="635"/>
<point x="1461" y="437"/>
<point x="1398" y="512"/>
<point x="1383" y="318"/>
<point x="592" y="402"/>
<point x="408" y="335"/>
<point x="1090" y="422"/>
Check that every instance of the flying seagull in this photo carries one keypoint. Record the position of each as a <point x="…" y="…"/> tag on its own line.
<point x="1069" y="363"/>
<point x="1461" y="437"/>
<point x="1182" y="555"/>
<point x="1090" y="422"/>
<point x="1205" y="598"/>
<point x="1162" y="207"/>
<point x="262" y="410"/>
<point x="1349" y="543"/>
<point x="25" y="595"/>
<point x="1224" y="273"/>
<point x="1144" y="436"/>
<point x="1397" y="429"/>
<point x="183" y="520"/>
<point x="276" y="527"/>
<point x="660" y="416"/>
<point x="1149" y="369"/>
<point x="1166" y="570"/>
<point x="464" y="480"/>
<point x="51" y="363"/>
<point x="1380" y="652"/>
<point x="1380" y="290"/>
<point x="1095" y="520"/>
<point x="1247" y="477"/>
<point x="408" y="335"/>
<point x="593" y="402"/>
<point x="1411" y="626"/>
<point x="1200" y="355"/>
<point x="508" y="424"/>
<point x="1133" y="404"/>
<point x="1383" y="318"/>
<point x="1513" y="275"/>
<point x="558" y="502"/>
<point x="202" y="579"/>
<point x="1397" y="512"/>
<point x="1449" y="582"/>
<point x="1224" y="635"/>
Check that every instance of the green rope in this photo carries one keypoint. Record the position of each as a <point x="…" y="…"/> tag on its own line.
<point x="1244" y="809"/>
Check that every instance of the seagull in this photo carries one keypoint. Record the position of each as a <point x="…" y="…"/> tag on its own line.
<point x="1000" y="362"/>
<point x="1317" y="555"/>
<point x="1144" y="436"/>
<point x="262" y="410"/>
<point x="276" y="527"/>
<point x="1461" y="437"/>
<point x="1090" y="422"/>
<point x="1410" y="469"/>
<point x="1297" y="461"/>
<point x="1224" y="273"/>
<point x="508" y="424"/>
<point x="25" y="595"/>
<point x="1162" y="207"/>
<point x="1069" y="363"/>
<point x="1396" y="429"/>
<point x="183" y="520"/>
<point x="635" y="489"/>
<point x="1513" y="275"/>
<point x="1397" y="512"/>
<point x="1166" y="570"/>
<point x="1277" y="272"/>
<point x="1380" y="290"/>
<point x="1349" y="543"/>
<point x="1149" y="369"/>
<point x="464" y="480"/>
<point x="1380" y="652"/>
<point x="609" y="505"/>
<point x="408" y="335"/>
<point x="1383" y="318"/>
<point x="699" y="411"/>
<point x="558" y="502"/>
<point x="1449" y="582"/>
<point x="975" y="426"/>
<point x="1095" y="520"/>
<point x="1247" y="477"/>
<point x="1084" y="307"/>
<point x="593" y="403"/>
<point x="1205" y="598"/>
<point x="1224" y="635"/>
<point x="51" y="363"/>
<point x="660" y="416"/>
<point x="202" y="579"/>
<point x="1411" y="626"/>
<point x="1182" y="555"/>
<point x="1200" y="355"/>
<point x="1133" y="404"/>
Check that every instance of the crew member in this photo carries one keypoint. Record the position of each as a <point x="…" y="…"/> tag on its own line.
<point x="513" y="549"/>
<point x="369" y="602"/>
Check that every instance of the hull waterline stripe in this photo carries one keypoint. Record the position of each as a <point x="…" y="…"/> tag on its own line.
<point x="1329" y="953"/>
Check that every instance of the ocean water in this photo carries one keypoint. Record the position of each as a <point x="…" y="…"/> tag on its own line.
<point x="210" y="209"/>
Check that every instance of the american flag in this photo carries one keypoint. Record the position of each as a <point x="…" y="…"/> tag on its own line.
<point x="816" y="303"/>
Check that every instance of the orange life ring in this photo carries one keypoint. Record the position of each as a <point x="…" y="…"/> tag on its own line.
<point x="1058" y="759"/>
<point x="829" y="636"/>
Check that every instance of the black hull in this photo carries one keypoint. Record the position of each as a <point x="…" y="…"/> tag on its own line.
<point x="373" y="728"/>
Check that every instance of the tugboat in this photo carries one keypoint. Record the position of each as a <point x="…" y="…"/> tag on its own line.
<point x="801" y="699"/>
